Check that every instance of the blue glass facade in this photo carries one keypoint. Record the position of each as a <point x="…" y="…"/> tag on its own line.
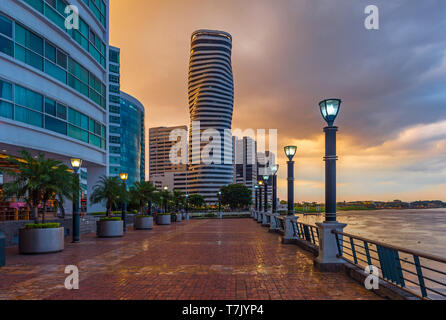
<point x="132" y="140"/>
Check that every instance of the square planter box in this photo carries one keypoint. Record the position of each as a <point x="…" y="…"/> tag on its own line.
<point x="32" y="241"/>
<point x="163" y="219"/>
<point x="143" y="223"/>
<point x="179" y="217"/>
<point x="109" y="229"/>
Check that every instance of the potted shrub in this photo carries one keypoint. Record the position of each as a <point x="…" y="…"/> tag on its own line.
<point x="37" y="180"/>
<point x="143" y="192"/>
<point x="143" y="222"/>
<point x="163" y="218"/>
<point x="41" y="238"/>
<point x="110" y="227"/>
<point x="111" y="191"/>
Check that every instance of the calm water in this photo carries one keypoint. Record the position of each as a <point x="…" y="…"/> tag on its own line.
<point x="418" y="229"/>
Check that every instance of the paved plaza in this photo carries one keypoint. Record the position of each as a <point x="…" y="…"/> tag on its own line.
<point x="197" y="259"/>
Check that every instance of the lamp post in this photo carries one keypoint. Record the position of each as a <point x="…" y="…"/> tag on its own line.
<point x="166" y="189"/>
<point x="219" y="205"/>
<point x="328" y="252"/>
<point x="274" y="170"/>
<point x="187" y="206"/>
<point x="265" y="183"/>
<point x="290" y="152"/>
<point x="256" y="188"/>
<point x="76" y="164"/>
<point x="260" y="184"/>
<point x="329" y="110"/>
<point x="124" y="176"/>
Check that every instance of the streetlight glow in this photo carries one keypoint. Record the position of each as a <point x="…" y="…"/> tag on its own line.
<point x="124" y="176"/>
<point x="330" y="109"/>
<point x="274" y="169"/>
<point x="290" y="151"/>
<point x="76" y="162"/>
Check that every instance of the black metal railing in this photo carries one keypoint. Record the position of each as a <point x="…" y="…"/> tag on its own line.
<point x="306" y="232"/>
<point x="421" y="274"/>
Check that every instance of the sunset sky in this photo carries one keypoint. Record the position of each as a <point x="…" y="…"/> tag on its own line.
<point x="287" y="56"/>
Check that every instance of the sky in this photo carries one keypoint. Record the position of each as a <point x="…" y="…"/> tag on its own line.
<point x="290" y="54"/>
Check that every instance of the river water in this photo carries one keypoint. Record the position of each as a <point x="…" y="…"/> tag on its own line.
<point x="418" y="229"/>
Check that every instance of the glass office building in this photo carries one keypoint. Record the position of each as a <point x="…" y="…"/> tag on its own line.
<point x="132" y="138"/>
<point x="53" y="82"/>
<point x="126" y="127"/>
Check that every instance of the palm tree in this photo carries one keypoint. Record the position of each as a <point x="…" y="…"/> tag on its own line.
<point x="178" y="199"/>
<point x="37" y="180"/>
<point x="143" y="192"/>
<point x="109" y="190"/>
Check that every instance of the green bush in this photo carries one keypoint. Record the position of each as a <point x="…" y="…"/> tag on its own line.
<point x="110" y="219"/>
<point x="103" y="213"/>
<point x="53" y="225"/>
<point x="165" y="214"/>
<point x="146" y="216"/>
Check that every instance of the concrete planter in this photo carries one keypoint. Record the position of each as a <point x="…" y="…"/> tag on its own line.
<point x="143" y="223"/>
<point x="109" y="229"/>
<point x="32" y="241"/>
<point x="179" y="217"/>
<point x="163" y="219"/>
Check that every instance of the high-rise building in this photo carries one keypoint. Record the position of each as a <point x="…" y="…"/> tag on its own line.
<point x="53" y="83"/>
<point x="211" y="100"/>
<point x="245" y="163"/>
<point x="132" y="138"/>
<point x="159" y="151"/>
<point x="126" y="127"/>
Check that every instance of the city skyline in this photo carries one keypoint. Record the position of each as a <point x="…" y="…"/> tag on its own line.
<point x="392" y="137"/>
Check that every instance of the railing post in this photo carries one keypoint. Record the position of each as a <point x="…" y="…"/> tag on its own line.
<point x="260" y="217"/>
<point x="265" y="219"/>
<point x="289" y="234"/>
<point x="416" y="260"/>
<point x="328" y="260"/>
<point x="273" y="227"/>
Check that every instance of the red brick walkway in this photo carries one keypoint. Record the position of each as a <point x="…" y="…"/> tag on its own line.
<point x="197" y="259"/>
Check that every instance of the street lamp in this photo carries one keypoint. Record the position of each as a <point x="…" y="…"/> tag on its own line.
<point x="124" y="176"/>
<point x="76" y="164"/>
<point x="256" y="188"/>
<point x="219" y="205"/>
<point x="328" y="245"/>
<point x="265" y="179"/>
<point x="187" y="206"/>
<point x="166" y="190"/>
<point x="290" y="152"/>
<point x="274" y="170"/>
<point x="329" y="110"/>
<point x="260" y="184"/>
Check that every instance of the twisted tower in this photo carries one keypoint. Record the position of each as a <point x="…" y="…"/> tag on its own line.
<point x="211" y="100"/>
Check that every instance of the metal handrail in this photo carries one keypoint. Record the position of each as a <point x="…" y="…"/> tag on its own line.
<point x="306" y="232"/>
<point x="423" y="279"/>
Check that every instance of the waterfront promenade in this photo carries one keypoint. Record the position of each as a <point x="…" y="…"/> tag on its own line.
<point x="196" y="259"/>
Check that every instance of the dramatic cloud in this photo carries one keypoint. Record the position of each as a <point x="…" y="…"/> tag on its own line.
<point x="288" y="55"/>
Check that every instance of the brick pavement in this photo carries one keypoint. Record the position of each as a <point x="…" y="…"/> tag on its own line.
<point x="197" y="259"/>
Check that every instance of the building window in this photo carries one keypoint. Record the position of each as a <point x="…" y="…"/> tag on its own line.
<point x="40" y="54"/>
<point x="35" y="109"/>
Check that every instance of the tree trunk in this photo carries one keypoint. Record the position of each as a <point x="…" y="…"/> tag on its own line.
<point x="36" y="214"/>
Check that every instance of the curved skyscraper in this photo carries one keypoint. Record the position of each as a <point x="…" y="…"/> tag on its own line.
<point x="211" y="100"/>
